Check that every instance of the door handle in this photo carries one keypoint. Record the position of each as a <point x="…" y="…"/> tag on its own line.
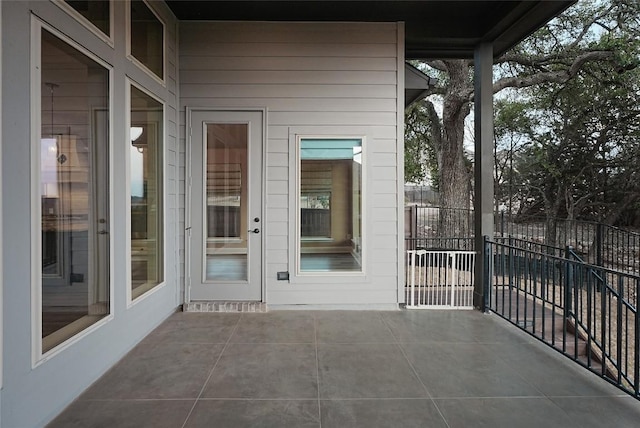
<point x="102" y="232"/>
<point x="256" y="230"/>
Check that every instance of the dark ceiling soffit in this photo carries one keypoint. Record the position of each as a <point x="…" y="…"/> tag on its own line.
<point x="434" y="28"/>
<point x="508" y="34"/>
<point x="511" y="29"/>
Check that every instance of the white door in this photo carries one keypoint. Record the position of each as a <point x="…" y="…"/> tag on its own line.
<point x="225" y="228"/>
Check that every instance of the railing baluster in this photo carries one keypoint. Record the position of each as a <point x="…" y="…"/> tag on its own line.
<point x="555" y="306"/>
<point x="576" y="308"/>
<point x="567" y="303"/>
<point x="636" y="347"/>
<point x="603" y="327"/>
<point x="534" y="285"/>
<point x="589" y="332"/>
<point x="619" y="328"/>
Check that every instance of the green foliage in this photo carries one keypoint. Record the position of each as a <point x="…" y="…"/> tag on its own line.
<point x="581" y="161"/>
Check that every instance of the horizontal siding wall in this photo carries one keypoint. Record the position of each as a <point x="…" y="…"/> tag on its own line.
<point x="33" y="395"/>
<point x="332" y="78"/>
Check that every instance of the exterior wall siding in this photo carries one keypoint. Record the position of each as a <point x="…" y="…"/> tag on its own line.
<point x="33" y="394"/>
<point x="323" y="78"/>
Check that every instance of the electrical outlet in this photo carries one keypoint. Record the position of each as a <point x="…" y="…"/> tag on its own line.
<point x="283" y="276"/>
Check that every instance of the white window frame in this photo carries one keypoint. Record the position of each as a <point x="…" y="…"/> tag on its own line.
<point x="109" y="39"/>
<point x="295" y="242"/>
<point x="37" y="356"/>
<point x="130" y="300"/>
<point x="137" y="62"/>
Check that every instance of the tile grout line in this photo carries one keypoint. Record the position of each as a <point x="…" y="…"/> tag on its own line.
<point x="211" y="372"/>
<point x="517" y="372"/>
<point x="315" y="336"/>
<point x="415" y="372"/>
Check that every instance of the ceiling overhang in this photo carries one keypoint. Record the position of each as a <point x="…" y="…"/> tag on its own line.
<point x="416" y="84"/>
<point x="433" y="28"/>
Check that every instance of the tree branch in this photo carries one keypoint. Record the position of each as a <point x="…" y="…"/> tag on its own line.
<point x="560" y="76"/>
<point x="437" y="64"/>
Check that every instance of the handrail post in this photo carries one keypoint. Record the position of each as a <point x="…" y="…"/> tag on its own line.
<point x="568" y="283"/>
<point x="620" y="364"/>
<point x="599" y="243"/>
<point x="636" y="347"/>
<point x="488" y="261"/>
<point x="568" y="307"/>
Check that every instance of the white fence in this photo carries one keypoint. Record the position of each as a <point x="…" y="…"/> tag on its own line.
<point x="440" y="279"/>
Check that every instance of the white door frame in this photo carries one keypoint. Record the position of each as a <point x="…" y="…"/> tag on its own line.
<point x="188" y="193"/>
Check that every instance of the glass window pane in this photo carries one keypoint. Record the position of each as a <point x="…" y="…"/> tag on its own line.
<point x="146" y="192"/>
<point x="147" y="37"/>
<point x="226" y="195"/>
<point x="330" y="203"/>
<point x="73" y="191"/>
<point x="96" y="11"/>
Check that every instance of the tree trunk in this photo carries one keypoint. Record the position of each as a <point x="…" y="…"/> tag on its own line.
<point x="552" y="202"/>
<point x="454" y="175"/>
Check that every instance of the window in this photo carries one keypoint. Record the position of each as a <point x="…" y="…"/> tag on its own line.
<point x="97" y="12"/>
<point x="73" y="192"/>
<point x="146" y="192"/>
<point x="330" y="205"/>
<point x="147" y="38"/>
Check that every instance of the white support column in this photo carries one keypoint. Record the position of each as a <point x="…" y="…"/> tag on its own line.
<point x="400" y="162"/>
<point x="483" y="173"/>
<point x="1" y="241"/>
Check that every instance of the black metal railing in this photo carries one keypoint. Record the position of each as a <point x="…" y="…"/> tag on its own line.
<point x="597" y="243"/>
<point x="585" y="311"/>
<point x="439" y="243"/>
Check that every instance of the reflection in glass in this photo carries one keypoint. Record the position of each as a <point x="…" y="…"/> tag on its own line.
<point x="146" y="192"/>
<point x="147" y="37"/>
<point x="226" y="196"/>
<point x="96" y="11"/>
<point x="73" y="191"/>
<point x="330" y="204"/>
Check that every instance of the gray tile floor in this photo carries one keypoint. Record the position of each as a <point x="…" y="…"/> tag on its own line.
<point x="347" y="369"/>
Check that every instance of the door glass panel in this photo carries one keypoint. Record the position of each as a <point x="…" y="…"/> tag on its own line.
<point x="225" y="219"/>
<point x="73" y="191"/>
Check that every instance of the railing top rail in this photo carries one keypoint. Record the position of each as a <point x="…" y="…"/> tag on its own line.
<point x="431" y="251"/>
<point x="439" y="238"/>
<point x="527" y="242"/>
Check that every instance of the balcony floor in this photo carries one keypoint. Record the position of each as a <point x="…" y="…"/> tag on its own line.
<point x="347" y="369"/>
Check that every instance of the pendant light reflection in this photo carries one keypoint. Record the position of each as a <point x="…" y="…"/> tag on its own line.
<point x="49" y="154"/>
<point x="136" y="132"/>
<point x="49" y="167"/>
<point x="137" y="161"/>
